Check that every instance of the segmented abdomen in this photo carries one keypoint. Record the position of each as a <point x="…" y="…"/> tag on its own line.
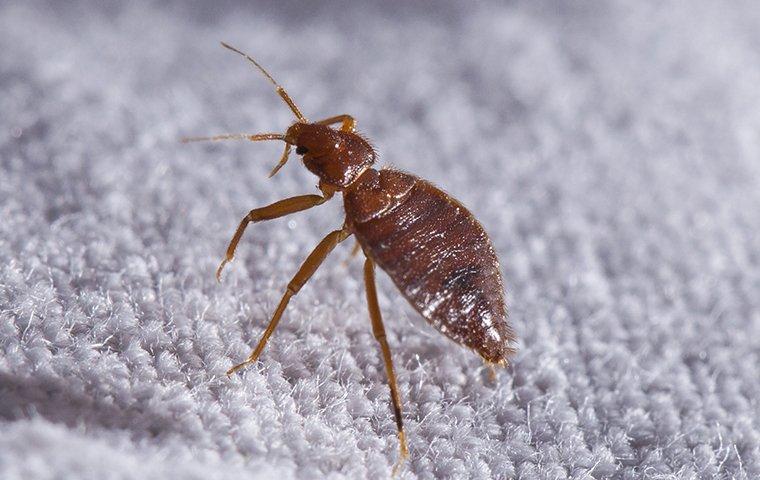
<point x="437" y="254"/>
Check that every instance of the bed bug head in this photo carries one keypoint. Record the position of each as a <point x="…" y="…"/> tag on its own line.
<point x="336" y="157"/>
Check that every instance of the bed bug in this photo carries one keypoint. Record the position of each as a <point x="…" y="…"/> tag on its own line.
<point x="431" y="246"/>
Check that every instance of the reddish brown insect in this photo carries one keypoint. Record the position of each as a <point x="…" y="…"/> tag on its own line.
<point x="430" y="245"/>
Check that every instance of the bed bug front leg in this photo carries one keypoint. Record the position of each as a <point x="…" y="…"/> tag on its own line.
<point x="275" y="210"/>
<point x="348" y="123"/>
<point x="378" y="329"/>
<point x="309" y="266"/>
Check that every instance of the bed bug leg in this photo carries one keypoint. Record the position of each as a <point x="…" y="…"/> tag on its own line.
<point x="354" y="252"/>
<point x="309" y="266"/>
<point x="348" y="123"/>
<point x="379" y="331"/>
<point x="356" y="249"/>
<point x="492" y="373"/>
<point x="275" y="210"/>
<point x="282" y="162"/>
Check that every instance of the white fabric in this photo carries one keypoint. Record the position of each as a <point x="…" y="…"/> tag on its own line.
<point x="610" y="149"/>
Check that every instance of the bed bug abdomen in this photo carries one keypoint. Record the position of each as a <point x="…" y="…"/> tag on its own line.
<point x="437" y="254"/>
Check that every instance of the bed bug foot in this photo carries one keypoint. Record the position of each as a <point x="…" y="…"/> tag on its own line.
<point x="237" y="367"/>
<point x="403" y="453"/>
<point x="220" y="268"/>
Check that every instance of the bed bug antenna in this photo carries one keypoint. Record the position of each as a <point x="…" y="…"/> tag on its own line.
<point x="280" y="91"/>
<point x="261" y="136"/>
<point x="258" y="137"/>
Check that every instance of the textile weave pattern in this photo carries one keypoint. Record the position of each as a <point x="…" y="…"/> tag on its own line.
<point x="611" y="150"/>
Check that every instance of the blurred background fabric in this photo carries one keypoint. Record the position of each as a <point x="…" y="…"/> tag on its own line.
<point x="611" y="150"/>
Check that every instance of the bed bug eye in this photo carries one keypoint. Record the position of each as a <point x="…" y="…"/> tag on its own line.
<point x="300" y="150"/>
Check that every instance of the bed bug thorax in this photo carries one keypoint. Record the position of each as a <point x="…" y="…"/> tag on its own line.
<point x="430" y="245"/>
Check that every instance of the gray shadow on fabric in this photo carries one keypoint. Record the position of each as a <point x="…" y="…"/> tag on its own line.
<point x="53" y="399"/>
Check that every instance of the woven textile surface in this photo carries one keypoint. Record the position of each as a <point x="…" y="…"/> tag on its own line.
<point x="610" y="149"/>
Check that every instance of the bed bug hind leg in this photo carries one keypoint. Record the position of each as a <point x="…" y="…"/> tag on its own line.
<point x="379" y="331"/>
<point x="309" y="266"/>
<point x="275" y="210"/>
